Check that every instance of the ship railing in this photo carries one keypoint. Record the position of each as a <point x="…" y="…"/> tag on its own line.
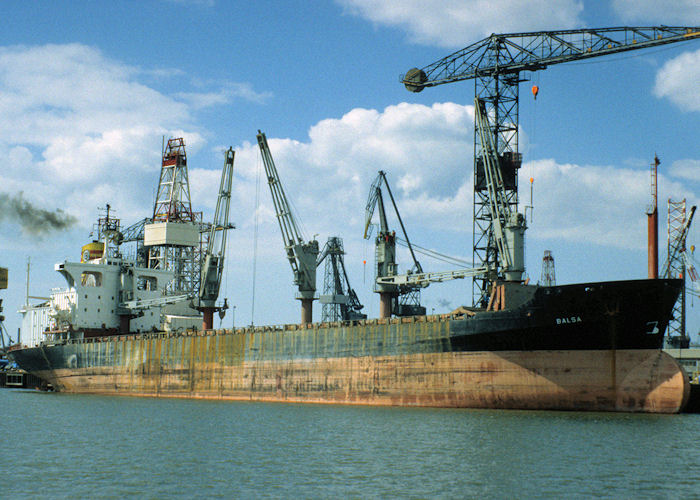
<point x="435" y="318"/>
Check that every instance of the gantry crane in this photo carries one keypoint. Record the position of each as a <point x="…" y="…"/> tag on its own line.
<point x="495" y="64"/>
<point x="213" y="266"/>
<point x="396" y="295"/>
<point x="302" y="256"/>
<point x="340" y="302"/>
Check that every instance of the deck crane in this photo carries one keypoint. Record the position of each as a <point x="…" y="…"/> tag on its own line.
<point x="302" y="256"/>
<point x="340" y="302"/>
<point x="397" y="296"/>
<point x="213" y="266"/>
<point x="495" y="64"/>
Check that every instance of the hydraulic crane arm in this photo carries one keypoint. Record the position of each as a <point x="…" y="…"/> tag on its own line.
<point x="375" y="198"/>
<point x="213" y="266"/>
<point x="302" y="256"/>
<point x="515" y="52"/>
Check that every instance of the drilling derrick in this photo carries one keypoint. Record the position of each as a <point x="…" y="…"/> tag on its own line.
<point x="173" y="235"/>
<point x="340" y="302"/>
<point x="302" y="256"/>
<point x="496" y="64"/>
<point x="548" y="278"/>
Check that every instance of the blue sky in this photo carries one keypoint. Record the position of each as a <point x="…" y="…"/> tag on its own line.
<point x="88" y="90"/>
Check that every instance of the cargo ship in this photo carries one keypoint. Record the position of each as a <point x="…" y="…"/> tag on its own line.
<point x="122" y="328"/>
<point x="594" y="346"/>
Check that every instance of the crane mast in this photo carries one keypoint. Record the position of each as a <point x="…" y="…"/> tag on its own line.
<point x="495" y="64"/>
<point x="302" y="256"/>
<point x="213" y="266"/>
<point x="508" y="226"/>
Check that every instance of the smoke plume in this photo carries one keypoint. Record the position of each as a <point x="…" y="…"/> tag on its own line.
<point x="33" y="220"/>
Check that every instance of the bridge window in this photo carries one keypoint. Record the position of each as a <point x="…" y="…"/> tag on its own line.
<point x="148" y="283"/>
<point x="91" y="278"/>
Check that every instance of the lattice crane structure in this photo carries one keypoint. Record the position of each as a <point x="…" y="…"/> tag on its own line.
<point x="678" y="227"/>
<point x="339" y="301"/>
<point x="173" y="235"/>
<point x="548" y="277"/>
<point x="496" y="64"/>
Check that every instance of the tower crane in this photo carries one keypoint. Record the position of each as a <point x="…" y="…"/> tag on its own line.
<point x="339" y="300"/>
<point x="400" y="298"/>
<point x="495" y="64"/>
<point x="213" y="266"/>
<point x="302" y="256"/>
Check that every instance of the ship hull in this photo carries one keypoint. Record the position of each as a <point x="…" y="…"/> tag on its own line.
<point x="554" y="351"/>
<point x="620" y="380"/>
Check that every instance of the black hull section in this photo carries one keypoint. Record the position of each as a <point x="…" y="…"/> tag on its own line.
<point x="590" y="316"/>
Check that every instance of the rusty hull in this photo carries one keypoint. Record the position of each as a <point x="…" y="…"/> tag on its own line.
<point x="272" y="366"/>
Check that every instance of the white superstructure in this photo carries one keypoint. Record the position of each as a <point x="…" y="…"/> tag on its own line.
<point x="104" y="295"/>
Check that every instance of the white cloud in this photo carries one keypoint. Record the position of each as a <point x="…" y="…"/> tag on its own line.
<point x="224" y="95"/>
<point x="675" y="13"/>
<point x="686" y="169"/>
<point x="456" y="23"/>
<point x="425" y="152"/>
<point x="81" y="130"/>
<point x="678" y="80"/>
<point x="601" y="204"/>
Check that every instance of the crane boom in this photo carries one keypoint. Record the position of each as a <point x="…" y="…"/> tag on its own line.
<point x="424" y="279"/>
<point x="213" y="266"/>
<point x="301" y="256"/>
<point x="496" y="64"/>
<point x="516" y="52"/>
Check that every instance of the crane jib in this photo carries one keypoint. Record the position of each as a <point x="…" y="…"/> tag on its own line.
<point x="537" y="50"/>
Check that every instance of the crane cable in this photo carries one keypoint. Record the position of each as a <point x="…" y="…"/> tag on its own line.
<point x="435" y="254"/>
<point x="255" y="236"/>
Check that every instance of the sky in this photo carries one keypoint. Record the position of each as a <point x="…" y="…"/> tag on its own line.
<point x="89" y="90"/>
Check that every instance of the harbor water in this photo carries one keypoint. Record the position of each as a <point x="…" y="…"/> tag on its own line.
<point x="81" y="446"/>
